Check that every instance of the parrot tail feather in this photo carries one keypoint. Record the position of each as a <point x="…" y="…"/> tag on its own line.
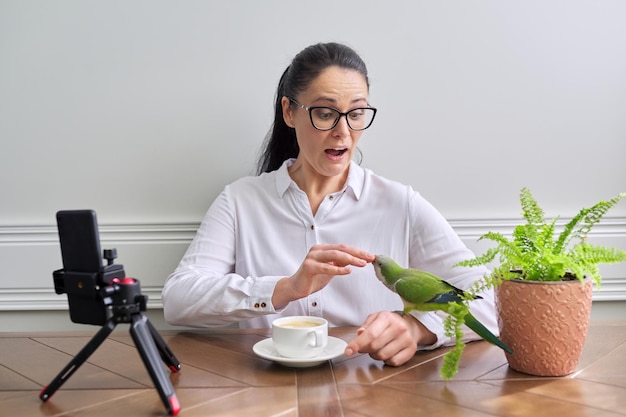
<point x="484" y="332"/>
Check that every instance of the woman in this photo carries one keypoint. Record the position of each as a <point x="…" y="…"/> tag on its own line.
<point x="298" y="238"/>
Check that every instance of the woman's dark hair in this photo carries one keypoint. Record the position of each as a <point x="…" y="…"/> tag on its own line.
<point x="280" y="143"/>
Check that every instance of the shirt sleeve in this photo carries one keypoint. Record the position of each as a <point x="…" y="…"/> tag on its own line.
<point x="203" y="290"/>
<point x="435" y="247"/>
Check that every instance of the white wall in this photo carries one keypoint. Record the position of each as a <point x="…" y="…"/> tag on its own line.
<point x="144" y="110"/>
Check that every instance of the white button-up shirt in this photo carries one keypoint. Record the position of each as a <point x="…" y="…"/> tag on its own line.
<point x="259" y="230"/>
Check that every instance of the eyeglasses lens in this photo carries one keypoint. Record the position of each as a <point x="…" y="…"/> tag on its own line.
<point x="326" y="118"/>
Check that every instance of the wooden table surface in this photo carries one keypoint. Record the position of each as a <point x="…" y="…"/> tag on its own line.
<point x="221" y="376"/>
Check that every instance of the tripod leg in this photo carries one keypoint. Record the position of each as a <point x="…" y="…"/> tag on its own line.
<point x="147" y="349"/>
<point x="166" y="354"/>
<point x="78" y="360"/>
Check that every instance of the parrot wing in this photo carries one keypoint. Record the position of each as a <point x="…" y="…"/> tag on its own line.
<point x="427" y="290"/>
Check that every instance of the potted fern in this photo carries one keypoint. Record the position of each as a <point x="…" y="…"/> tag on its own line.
<point x="543" y="285"/>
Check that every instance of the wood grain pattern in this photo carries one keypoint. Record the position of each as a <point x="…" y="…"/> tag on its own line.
<point x="221" y="376"/>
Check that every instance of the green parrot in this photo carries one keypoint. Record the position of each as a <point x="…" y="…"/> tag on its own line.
<point x="424" y="291"/>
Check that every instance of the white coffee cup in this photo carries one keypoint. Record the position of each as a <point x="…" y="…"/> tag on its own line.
<point x="300" y="337"/>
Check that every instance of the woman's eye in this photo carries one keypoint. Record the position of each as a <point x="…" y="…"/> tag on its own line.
<point x="356" y="114"/>
<point x="324" y="114"/>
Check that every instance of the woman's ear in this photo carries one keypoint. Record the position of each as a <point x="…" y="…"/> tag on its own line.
<point x="287" y="112"/>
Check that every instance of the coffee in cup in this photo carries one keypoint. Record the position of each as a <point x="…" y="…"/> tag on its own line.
<point x="300" y="337"/>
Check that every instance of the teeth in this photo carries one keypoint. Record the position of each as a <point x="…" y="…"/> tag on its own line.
<point x="336" y="151"/>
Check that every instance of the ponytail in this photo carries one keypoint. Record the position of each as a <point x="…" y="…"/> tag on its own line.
<point x="280" y="142"/>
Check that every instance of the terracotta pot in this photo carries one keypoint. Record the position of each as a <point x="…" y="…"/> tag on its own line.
<point x="544" y="323"/>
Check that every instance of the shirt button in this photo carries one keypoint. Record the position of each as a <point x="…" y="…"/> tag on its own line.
<point x="331" y="198"/>
<point x="256" y="305"/>
<point x="312" y="227"/>
<point x="314" y="303"/>
<point x="263" y="305"/>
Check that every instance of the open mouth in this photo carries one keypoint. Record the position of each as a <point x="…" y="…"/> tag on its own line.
<point x="336" y="152"/>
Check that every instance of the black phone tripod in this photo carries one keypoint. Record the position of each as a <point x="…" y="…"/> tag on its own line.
<point x="127" y="305"/>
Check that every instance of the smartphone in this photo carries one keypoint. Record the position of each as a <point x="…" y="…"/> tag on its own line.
<point x="80" y="240"/>
<point x="82" y="266"/>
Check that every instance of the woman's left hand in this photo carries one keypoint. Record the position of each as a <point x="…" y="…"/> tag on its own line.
<point x="390" y="337"/>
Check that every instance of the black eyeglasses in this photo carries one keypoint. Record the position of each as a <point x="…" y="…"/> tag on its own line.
<point x="326" y="118"/>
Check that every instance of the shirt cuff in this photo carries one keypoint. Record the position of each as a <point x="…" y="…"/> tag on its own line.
<point x="261" y="295"/>
<point x="434" y="323"/>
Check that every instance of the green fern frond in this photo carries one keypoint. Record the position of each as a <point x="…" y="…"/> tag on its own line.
<point x="586" y="257"/>
<point x="525" y="238"/>
<point x="595" y="214"/>
<point x="494" y="236"/>
<point x="453" y="328"/>
<point x="593" y="254"/>
<point x="546" y="237"/>
<point x="490" y="254"/>
<point x="568" y="230"/>
<point x="505" y="247"/>
<point x="530" y="208"/>
<point x="589" y="217"/>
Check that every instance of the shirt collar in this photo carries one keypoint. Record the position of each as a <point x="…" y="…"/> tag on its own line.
<point x="283" y="180"/>
<point x="355" y="182"/>
<point x="356" y="179"/>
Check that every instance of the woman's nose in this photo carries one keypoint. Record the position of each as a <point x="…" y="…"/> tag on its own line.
<point x="341" y="129"/>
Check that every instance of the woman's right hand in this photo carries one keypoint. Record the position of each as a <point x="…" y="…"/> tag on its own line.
<point x="321" y="264"/>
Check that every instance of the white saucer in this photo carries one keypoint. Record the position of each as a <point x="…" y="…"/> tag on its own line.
<point x="265" y="349"/>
